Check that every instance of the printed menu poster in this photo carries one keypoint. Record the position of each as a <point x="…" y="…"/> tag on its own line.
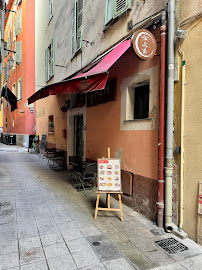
<point x="109" y="174"/>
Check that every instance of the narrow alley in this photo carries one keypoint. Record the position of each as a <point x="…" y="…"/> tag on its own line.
<point x="46" y="224"/>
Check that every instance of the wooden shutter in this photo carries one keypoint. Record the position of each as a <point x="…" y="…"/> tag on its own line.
<point x="14" y="35"/>
<point x="46" y="65"/>
<point x="19" y="21"/>
<point x="5" y="72"/>
<point x="50" y="9"/>
<point x="5" y="49"/>
<point x="121" y="6"/>
<point x="18" y="52"/>
<point x="16" y="24"/>
<point x="9" y="42"/>
<point x="52" y="57"/>
<point x="109" y="11"/>
<point x="73" y="29"/>
<point x="79" y="30"/>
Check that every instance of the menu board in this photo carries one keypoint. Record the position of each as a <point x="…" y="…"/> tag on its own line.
<point x="43" y="140"/>
<point x="109" y="174"/>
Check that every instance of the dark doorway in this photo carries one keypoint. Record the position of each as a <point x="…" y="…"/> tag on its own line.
<point x="78" y="123"/>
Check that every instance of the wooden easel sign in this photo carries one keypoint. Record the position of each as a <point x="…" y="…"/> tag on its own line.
<point x="109" y="181"/>
<point x="109" y="175"/>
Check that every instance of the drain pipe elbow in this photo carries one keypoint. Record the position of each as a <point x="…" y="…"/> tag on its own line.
<point x="170" y="227"/>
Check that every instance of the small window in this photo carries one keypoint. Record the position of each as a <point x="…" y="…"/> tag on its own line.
<point x="50" y="124"/>
<point x="13" y="122"/>
<point x="49" y="61"/>
<point x="137" y="106"/>
<point x="6" y="125"/>
<point x="115" y="8"/>
<point x="141" y="102"/>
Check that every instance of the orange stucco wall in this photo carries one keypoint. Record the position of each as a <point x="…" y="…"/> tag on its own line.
<point x="24" y="123"/>
<point x="140" y="147"/>
<point x="52" y="106"/>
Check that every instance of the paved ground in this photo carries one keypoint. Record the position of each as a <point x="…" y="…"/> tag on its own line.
<point x="46" y="224"/>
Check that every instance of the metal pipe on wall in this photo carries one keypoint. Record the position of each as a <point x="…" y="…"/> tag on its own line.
<point x="182" y="139"/>
<point x="160" y="203"/>
<point x="170" y="107"/>
<point x="2" y="35"/>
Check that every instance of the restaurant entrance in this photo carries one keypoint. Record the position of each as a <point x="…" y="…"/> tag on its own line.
<point x="79" y="142"/>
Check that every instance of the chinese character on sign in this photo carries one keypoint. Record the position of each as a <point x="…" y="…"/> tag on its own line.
<point x="144" y="44"/>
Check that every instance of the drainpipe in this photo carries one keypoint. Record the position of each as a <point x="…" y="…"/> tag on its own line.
<point x="2" y="36"/>
<point x="182" y="140"/>
<point x="160" y="203"/>
<point x="169" y="226"/>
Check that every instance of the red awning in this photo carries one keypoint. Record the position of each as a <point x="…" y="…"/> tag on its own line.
<point x="94" y="79"/>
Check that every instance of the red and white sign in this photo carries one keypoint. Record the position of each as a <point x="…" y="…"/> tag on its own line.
<point x="109" y="175"/>
<point x="144" y="44"/>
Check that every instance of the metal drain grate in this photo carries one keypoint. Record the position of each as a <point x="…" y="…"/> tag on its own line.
<point x="171" y="245"/>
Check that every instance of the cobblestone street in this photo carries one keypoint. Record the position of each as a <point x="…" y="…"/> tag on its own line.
<point x="46" y="224"/>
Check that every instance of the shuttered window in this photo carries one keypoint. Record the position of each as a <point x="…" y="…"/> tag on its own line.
<point x="77" y="26"/>
<point x="115" y="8"/>
<point x="50" y="61"/>
<point x="5" y="72"/>
<point x="5" y="49"/>
<point x="9" y="41"/>
<point x="50" y="9"/>
<point x="18" y="53"/>
<point x="19" y="89"/>
<point x="18" y="23"/>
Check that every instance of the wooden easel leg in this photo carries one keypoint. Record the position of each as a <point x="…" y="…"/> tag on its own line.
<point x="120" y="203"/>
<point x="97" y="203"/>
<point x="108" y="200"/>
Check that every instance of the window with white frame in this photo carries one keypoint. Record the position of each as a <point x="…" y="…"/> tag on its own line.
<point x="114" y="8"/>
<point x="50" y="9"/>
<point x="77" y="26"/>
<point x="49" y="61"/>
<point x="138" y="101"/>
<point x="19" y="89"/>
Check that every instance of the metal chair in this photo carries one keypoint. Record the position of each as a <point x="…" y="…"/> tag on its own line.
<point x="87" y="178"/>
<point x="76" y="162"/>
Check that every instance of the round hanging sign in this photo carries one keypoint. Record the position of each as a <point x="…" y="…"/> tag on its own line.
<point x="144" y="44"/>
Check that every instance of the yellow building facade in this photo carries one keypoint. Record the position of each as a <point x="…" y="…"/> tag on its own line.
<point x="187" y="111"/>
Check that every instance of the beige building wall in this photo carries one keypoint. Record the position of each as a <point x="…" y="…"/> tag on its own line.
<point x="191" y="49"/>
